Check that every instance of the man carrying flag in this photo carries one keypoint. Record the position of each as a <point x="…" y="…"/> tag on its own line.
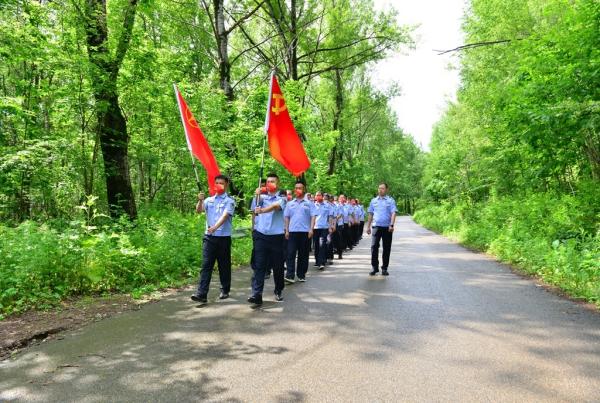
<point x="268" y="241"/>
<point x="287" y="149"/>
<point x="216" y="245"/>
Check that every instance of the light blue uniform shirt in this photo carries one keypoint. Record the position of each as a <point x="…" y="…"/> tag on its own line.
<point x="382" y="209"/>
<point x="361" y="212"/>
<point x="270" y="223"/>
<point x="323" y="211"/>
<point x="214" y="207"/>
<point x="345" y="212"/>
<point x="352" y="213"/>
<point x="299" y="213"/>
<point x="339" y="212"/>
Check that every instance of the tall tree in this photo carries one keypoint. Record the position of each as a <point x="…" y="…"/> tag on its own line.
<point x="112" y="127"/>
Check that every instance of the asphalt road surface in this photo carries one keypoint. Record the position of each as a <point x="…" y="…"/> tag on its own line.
<point x="446" y="325"/>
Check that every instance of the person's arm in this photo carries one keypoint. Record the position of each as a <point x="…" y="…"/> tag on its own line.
<point x="369" y="223"/>
<point x="200" y="204"/>
<point x="272" y="207"/>
<point x="312" y="226"/>
<point x="218" y="224"/>
<point x="393" y="219"/>
<point x="286" y="226"/>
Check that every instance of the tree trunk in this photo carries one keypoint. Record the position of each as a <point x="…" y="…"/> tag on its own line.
<point x="222" y="37"/>
<point x="293" y="51"/>
<point x="112" y="127"/>
<point x="339" y="104"/>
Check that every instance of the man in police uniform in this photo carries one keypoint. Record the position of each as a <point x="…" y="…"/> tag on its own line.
<point x="382" y="214"/>
<point x="361" y="218"/>
<point x="322" y="229"/>
<point x="299" y="217"/>
<point x="345" y="210"/>
<point x="268" y="241"/>
<point x="216" y="245"/>
<point x="338" y="235"/>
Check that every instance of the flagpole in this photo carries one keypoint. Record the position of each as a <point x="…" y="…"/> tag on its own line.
<point x="187" y="138"/>
<point x="262" y="162"/>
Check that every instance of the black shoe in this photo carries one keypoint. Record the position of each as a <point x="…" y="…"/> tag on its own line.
<point x="199" y="298"/>
<point x="301" y="279"/>
<point x="290" y="280"/>
<point x="340" y="257"/>
<point x="255" y="300"/>
<point x="223" y="295"/>
<point x="278" y="297"/>
<point x="321" y="267"/>
<point x="374" y="272"/>
<point x="384" y="272"/>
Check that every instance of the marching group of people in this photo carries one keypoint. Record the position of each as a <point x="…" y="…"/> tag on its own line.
<point x="286" y="225"/>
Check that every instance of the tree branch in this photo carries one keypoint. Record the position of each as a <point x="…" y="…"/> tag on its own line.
<point x="474" y="45"/>
<point x="244" y="18"/>
<point x="128" y="22"/>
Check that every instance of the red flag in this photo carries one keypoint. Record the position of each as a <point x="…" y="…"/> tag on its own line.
<point x="284" y="143"/>
<point x="197" y="143"/>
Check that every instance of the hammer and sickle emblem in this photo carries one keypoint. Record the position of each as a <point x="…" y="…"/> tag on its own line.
<point x="279" y="104"/>
<point x="190" y="119"/>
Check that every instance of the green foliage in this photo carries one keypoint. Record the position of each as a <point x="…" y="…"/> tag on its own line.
<point x="514" y="167"/>
<point x="543" y="234"/>
<point x="43" y="263"/>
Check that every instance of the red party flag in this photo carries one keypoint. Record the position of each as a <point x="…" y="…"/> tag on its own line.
<point x="197" y="143"/>
<point x="284" y="143"/>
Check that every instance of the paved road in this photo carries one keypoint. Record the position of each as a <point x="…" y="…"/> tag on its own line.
<point x="446" y="325"/>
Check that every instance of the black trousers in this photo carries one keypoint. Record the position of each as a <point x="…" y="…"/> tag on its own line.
<point x="330" y="243"/>
<point x="347" y="236"/>
<point x="361" y="229"/>
<point x="297" y="250"/>
<point x="215" y="248"/>
<point x="338" y="240"/>
<point x="268" y="252"/>
<point x="320" y="245"/>
<point x="381" y="233"/>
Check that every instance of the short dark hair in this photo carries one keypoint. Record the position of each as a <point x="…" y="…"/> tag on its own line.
<point x="272" y="175"/>
<point x="384" y="184"/>
<point x="226" y="179"/>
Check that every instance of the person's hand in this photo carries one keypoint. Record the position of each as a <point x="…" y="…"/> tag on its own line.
<point x="257" y="191"/>
<point x="368" y="230"/>
<point x="257" y="210"/>
<point x="211" y="230"/>
<point x="331" y="230"/>
<point x="201" y="196"/>
<point x="391" y="228"/>
<point x="287" y="234"/>
<point x="310" y="234"/>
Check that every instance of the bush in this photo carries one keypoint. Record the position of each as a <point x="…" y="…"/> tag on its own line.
<point x="44" y="263"/>
<point x="556" y="237"/>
